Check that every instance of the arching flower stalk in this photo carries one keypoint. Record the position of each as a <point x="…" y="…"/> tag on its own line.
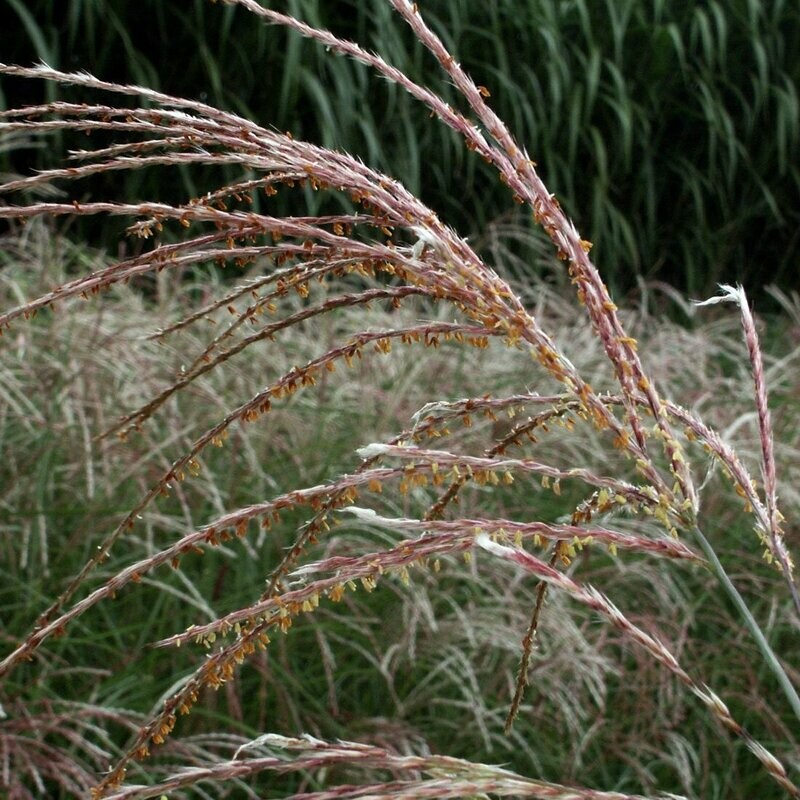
<point x="388" y="247"/>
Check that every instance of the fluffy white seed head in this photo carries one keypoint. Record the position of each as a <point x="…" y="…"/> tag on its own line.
<point x="728" y="294"/>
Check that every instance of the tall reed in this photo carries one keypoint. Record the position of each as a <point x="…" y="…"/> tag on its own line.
<point x="382" y="244"/>
<point x="692" y="190"/>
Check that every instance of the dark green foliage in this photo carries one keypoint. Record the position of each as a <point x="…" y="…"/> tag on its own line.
<point x="669" y="130"/>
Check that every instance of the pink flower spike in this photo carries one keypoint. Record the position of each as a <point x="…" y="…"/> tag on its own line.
<point x="773" y="537"/>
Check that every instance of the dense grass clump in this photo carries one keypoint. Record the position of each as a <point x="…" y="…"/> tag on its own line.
<point x="334" y="527"/>
<point x="670" y="131"/>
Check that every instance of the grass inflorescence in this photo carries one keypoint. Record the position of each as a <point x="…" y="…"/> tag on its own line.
<point x="535" y="438"/>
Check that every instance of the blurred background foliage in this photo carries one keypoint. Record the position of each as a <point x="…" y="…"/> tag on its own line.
<point x="669" y="130"/>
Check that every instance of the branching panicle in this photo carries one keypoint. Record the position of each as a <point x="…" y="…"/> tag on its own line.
<point x="387" y="248"/>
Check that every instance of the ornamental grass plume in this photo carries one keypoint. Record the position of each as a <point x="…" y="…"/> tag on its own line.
<point x="382" y="245"/>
